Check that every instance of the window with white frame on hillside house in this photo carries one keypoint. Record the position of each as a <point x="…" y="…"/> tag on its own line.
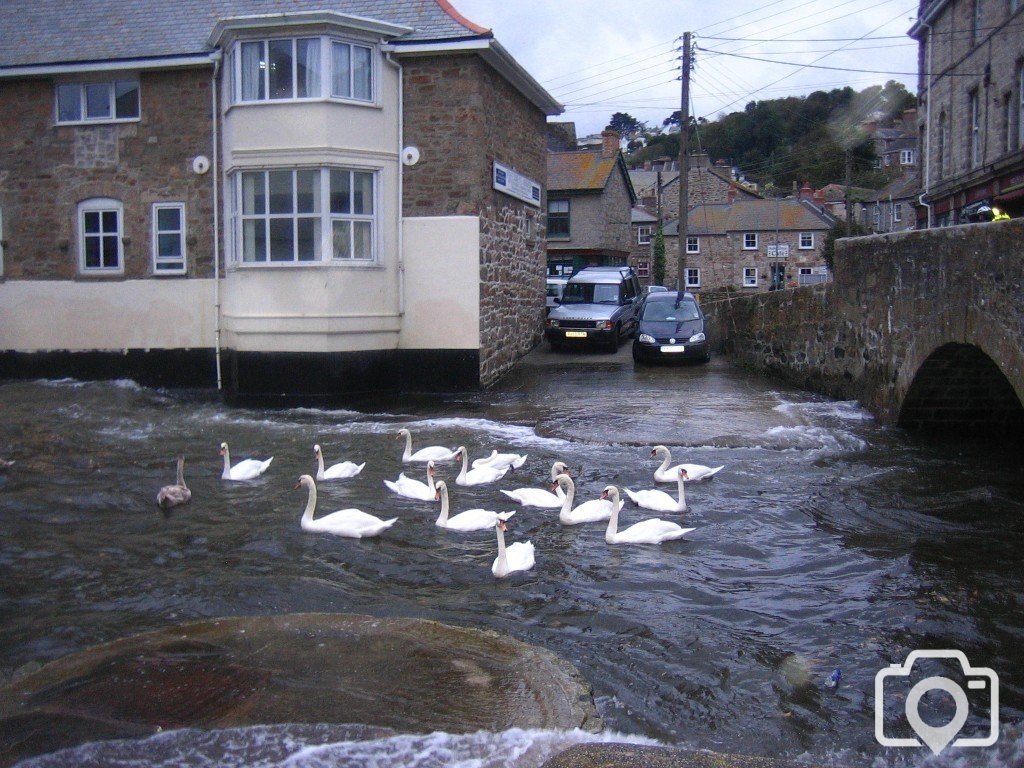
<point x="750" y="241"/>
<point x="906" y="157"/>
<point x="169" y="238"/>
<point x="305" y="215"/>
<point x="98" y="102"/>
<point x="806" y="241"/>
<point x="99" y="236"/>
<point x="897" y="211"/>
<point x="750" y="277"/>
<point x="692" y="277"/>
<point x="558" y="219"/>
<point x="692" y="244"/>
<point x="301" y="68"/>
<point x="643" y="234"/>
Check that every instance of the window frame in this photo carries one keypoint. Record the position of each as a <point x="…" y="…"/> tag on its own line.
<point x="750" y="277"/>
<point x="696" y="244"/>
<point x="323" y="240"/>
<point x="747" y="238"/>
<point x="82" y="117"/>
<point x="1020" y="104"/>
<point x="643" y="230"/>
<point x="810" y="244"/>
<point x="325" y="74"/>
<point x="906" y="157"/>
<point x="897" y="212"/>
<point x="643" y="268"/>
<point x="158" y="260"/>
<point x="973" y="129"/>
<point x="694" y="283"/>
<point x="562" y="216"/>
<point x="99" y="205"/>
<point x="1" y="243"/>
<point x="942" y="141"/>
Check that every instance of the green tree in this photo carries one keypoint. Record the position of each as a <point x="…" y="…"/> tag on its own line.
<point x="658" y="248"/>
<point x="837" y="232"/>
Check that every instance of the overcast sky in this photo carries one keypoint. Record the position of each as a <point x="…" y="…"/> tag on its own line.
<point x="599" y="57"/>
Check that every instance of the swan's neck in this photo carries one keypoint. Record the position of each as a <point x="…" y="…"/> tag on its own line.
<point x="613" y="521"/>
<point x="443" y="517"/>
<point x="320" y="464"/>
<point x="502" y="566"/>
<point x="570" y="494"/>
<point x="465" y="465"/>
<point x="430" y="480"/>
<point x="227" y="465"/>
<point x="408" y="447"/>
<point x="181" y="473"/>
<point x="666" y="462"/>
<point x="682" y="494"/>
<point x="307" y="516"/>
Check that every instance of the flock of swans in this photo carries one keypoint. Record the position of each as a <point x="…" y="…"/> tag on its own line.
<point x="518" y="556"/>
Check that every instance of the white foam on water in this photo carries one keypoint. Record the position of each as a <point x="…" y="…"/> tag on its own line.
<point x="304" y="746"/>
<point x="843" y="410"/>
<point x="817" y="440"/>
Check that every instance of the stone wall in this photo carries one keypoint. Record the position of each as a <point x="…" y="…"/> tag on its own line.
<point x="895" y="301"/>
<point x="463" y="116"/>
<point x="46" y="170"/>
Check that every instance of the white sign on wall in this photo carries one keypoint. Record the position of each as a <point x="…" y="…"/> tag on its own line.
<point x="515" y="184"/>
<point x="780" y="251"/>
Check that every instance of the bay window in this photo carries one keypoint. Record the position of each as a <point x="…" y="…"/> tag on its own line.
<point x="302" y="68"/>
<point x="305" y="215"/>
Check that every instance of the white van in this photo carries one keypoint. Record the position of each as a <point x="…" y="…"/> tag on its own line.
<point x="555" y="287"/>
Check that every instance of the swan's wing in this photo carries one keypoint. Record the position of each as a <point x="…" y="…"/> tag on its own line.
<point x="520" y="556"/>
<point x="473" y="520"/>
<point x="652" y="531"/>
<point x="343" y="470"/>
<point x="518" y="461"/>
<point x="592" y="511"/>
<point x="433" y="453"/>
<point x="535" y="497"/>
<point x="248" y="469"/>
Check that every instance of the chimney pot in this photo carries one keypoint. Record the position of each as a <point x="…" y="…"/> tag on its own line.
<point x="610" y="143"/>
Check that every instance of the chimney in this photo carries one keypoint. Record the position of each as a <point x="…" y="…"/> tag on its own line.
<point x="647" y="165"/>
<point x="731" y="194"/>
<point x="806" y="193"/>
<point x="610" y="143"/>
<point x="819" y="197"/>
<point x="796" y="191"/>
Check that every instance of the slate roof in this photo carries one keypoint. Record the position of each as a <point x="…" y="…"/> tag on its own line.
<point x="66" y="31"/>
<point x="579" y="171"/>
<point x="640" y="216"/>
<point x="750" y="216"/>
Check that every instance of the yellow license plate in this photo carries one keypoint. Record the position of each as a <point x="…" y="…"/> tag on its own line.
<point x="575" y="334"/>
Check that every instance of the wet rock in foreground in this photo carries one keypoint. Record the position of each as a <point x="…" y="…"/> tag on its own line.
<point x="633" y="756"/>
<point x="408" y="675"/>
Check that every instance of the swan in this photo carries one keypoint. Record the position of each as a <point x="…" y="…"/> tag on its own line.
<point x="539" y="497"/>
<point x="430" y="453"/>
<point x="664" y="474"/>
<point x="660" y="501"/>
<point x="477" y="475"/>
<point x="243" y="470"/>
<point x="652" y="531"/>
<point x="414" y="489"/>
<point x="470" y="520"/>
<point x="339" y="471"/>
<point x="352" y="523"/>
<point x="518" y="556"/>
<point x="593" y="511"/>
<point x="499" y="460"/>
<point x="173" y="495"/>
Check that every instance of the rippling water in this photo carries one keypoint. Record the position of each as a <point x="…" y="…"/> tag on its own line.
<point x="826" y="542"/>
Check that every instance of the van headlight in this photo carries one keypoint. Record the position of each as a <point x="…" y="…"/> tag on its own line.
<point x="552" y="323"/>
<point x="643" y="338"/>
<point x="697" y="338"/>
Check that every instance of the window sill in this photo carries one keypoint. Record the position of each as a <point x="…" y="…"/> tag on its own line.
<point x="102" y="121"/>
<point x="272" y="265"/>
<point x="299" y="102"/>
<point x="108" y="276"/>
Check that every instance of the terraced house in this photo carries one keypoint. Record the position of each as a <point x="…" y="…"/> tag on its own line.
<point x="277" y="196"/>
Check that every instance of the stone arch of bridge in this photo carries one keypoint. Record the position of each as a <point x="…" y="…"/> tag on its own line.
<point x="970" y="382"/>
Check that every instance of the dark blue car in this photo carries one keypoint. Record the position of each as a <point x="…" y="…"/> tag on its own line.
<point x="671" y="328"/>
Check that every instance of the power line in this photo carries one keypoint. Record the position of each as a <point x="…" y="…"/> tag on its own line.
<point x="822" y="66"/>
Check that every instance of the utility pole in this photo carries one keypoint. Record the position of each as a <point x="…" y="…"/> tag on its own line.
<point x="848" y="181"/>
<point x="684" y="166"/>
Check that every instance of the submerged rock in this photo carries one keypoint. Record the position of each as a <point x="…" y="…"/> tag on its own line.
<point x="408" y="675"/>
<point x="633" y="756"/>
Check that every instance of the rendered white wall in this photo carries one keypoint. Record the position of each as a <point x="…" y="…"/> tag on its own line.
<point x="48" y="315"/>
<point x="442" y="283"/>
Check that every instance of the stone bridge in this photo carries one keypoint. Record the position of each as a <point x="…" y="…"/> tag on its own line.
<point x="925" y="329"/>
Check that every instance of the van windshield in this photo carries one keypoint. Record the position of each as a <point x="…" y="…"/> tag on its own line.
<point x="590" y="293"/>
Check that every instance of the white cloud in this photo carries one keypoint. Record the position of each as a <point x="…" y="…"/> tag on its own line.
<point x="599" y="57"/>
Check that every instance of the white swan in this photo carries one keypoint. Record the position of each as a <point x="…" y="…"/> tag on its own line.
<point x="518" y="556"/>
<point x="499" y="460"/>
<point x="470" y="520"/>
<point x="246" y="469"/>
<point x="664" y="474"/>
<point x="660" y="501"/>
<point x="593" y="511"/>
<point x="340" y="471"/>
<point x="477" y="475"/>
<point x="414" y="489"/>
<point x="539" y="497"/>
<point x="430" y="453"/>
<point x="653" y="531"/>
<point x="352" y="523"/>
<point x="173" y="495"/>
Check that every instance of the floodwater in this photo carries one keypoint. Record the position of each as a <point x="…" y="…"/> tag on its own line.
<point x="827" y="542"/>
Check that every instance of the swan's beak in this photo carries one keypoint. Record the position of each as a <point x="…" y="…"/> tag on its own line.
<point x="604" y="494"/>
<point x="502" y="526"/>
<point x="297" y="485"/>
<point x="653" y="454"/>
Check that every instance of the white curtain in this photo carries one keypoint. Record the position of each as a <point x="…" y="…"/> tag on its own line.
<point x="308" y="55"/>
<point x="252" y="71"/>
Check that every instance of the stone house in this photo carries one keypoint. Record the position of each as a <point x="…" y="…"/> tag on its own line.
<point x="641" y="249"/>
<point x="273" y="196"/>
<point x="895" y="145"/>
<point x="971" y="93"/>
<point x="750" y="245"/>
<point x="893" y="208"/>
<point x="589" y="202"/>
<point x="657" y="185"/>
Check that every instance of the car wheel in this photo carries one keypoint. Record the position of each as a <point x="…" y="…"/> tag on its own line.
<point x="638" y="358"/>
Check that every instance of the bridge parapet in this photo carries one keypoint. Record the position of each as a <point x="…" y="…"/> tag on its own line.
<point x="896" y="301"/>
